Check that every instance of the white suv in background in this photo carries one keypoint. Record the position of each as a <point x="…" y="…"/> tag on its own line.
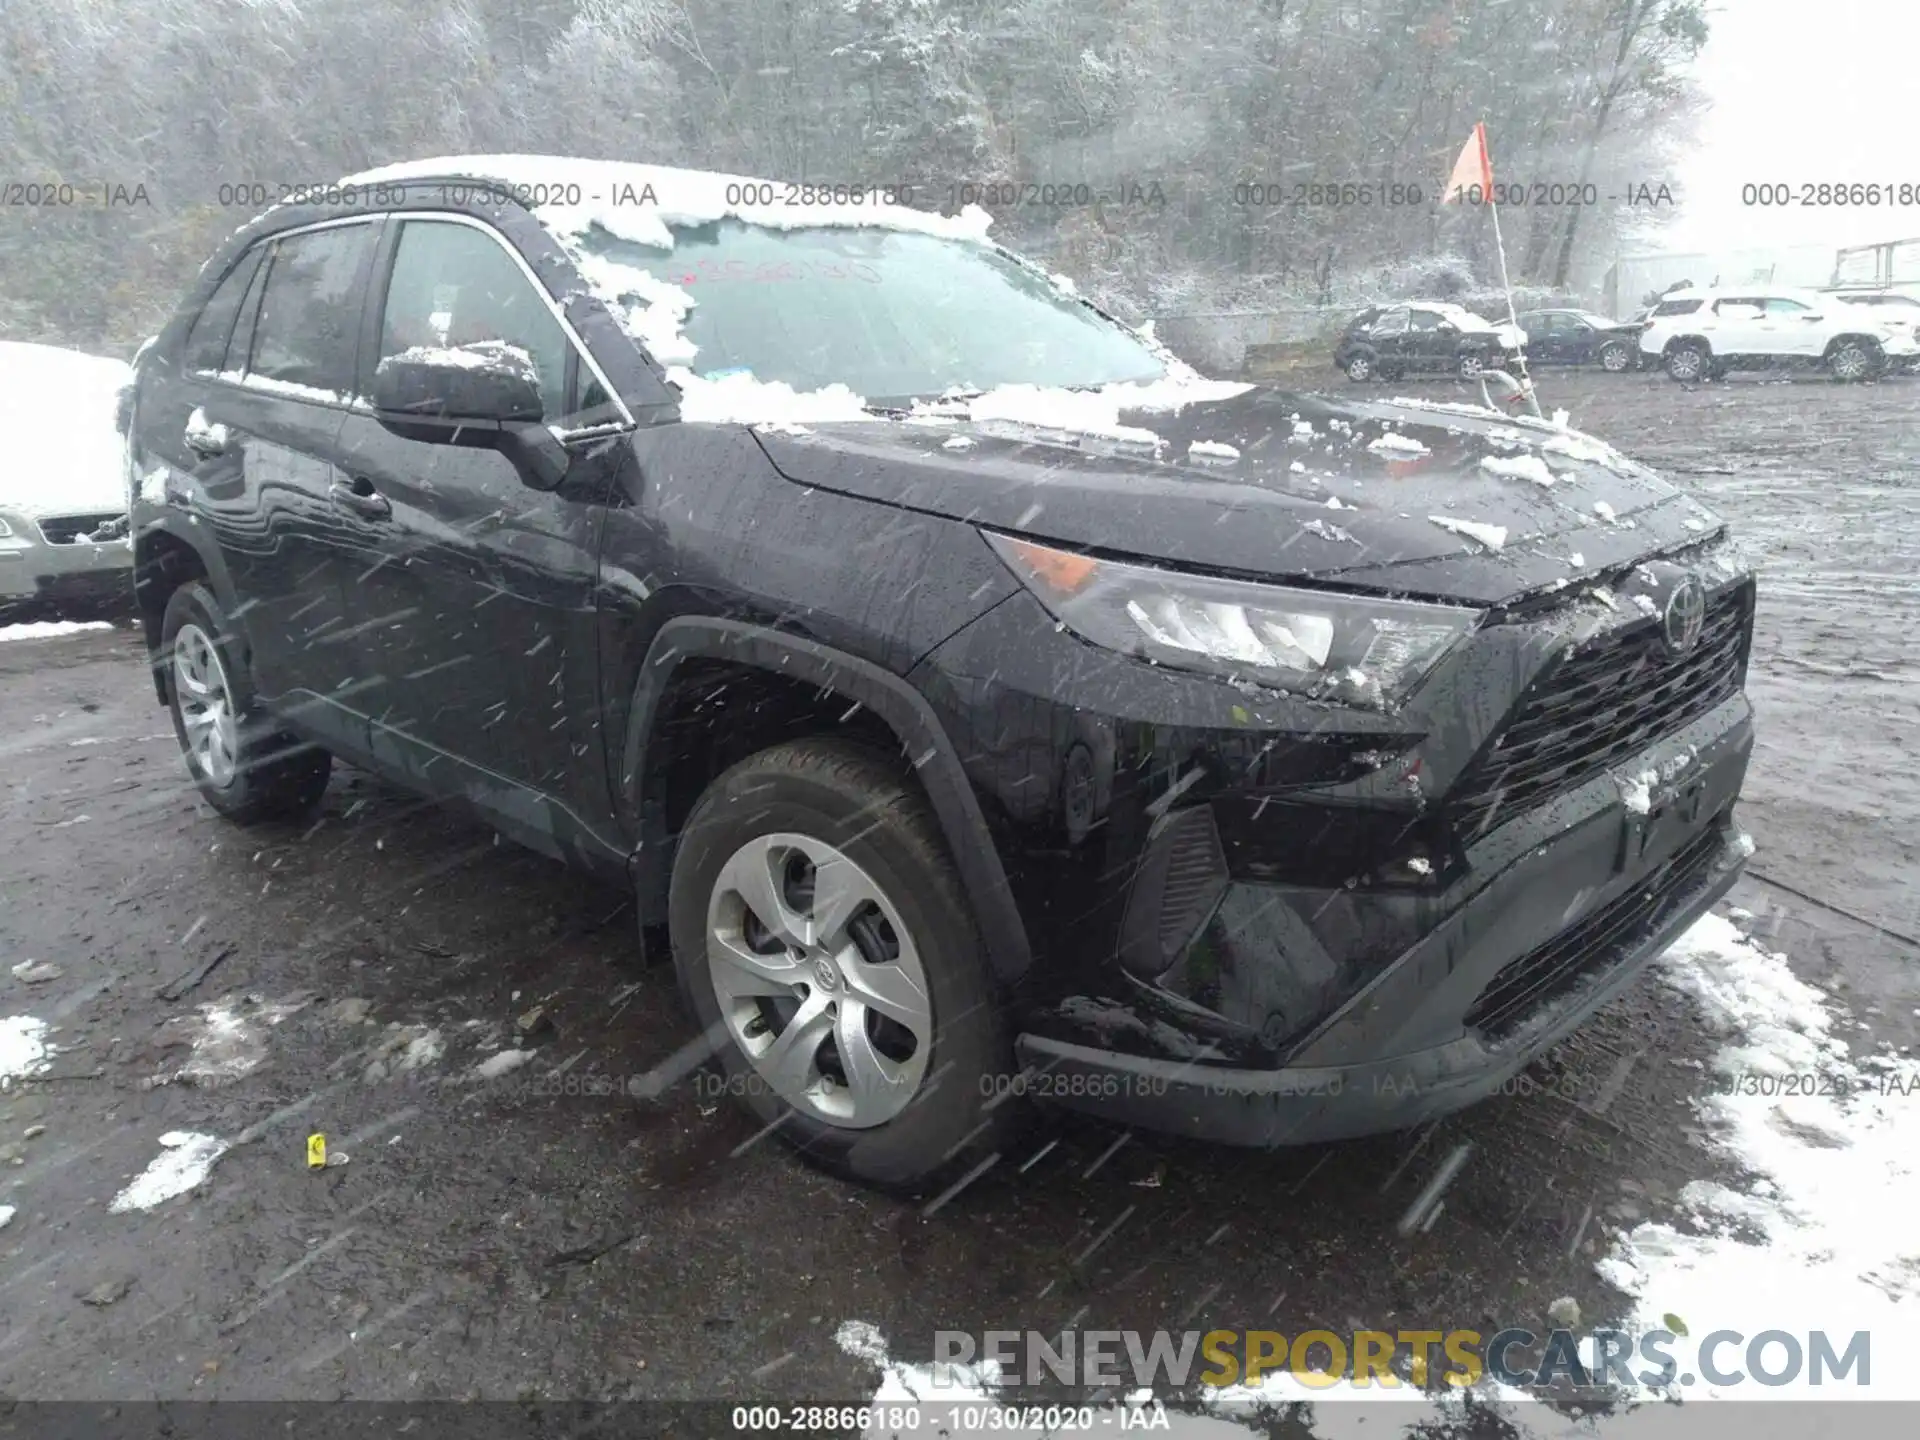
<point x="1702" y="334"/>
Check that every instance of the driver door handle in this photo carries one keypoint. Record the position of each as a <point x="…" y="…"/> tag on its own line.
<point x="205" y="438"/>
<point x="359" y="496"/>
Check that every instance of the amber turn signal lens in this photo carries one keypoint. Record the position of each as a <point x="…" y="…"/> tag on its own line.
<point x="1061" y="571"/>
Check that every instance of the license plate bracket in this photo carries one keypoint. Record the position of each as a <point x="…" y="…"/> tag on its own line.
<point x="1650" y="837"/>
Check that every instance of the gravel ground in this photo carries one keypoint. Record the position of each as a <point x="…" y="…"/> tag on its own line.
<point x="541" y="1234"/>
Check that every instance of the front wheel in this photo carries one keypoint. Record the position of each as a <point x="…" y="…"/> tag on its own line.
<point x="1360" y="368"/>
<point x="242" y="765"/>
<point x="1614" y="358"/>
<point x="824" y="944"/>
<point x="1470" y="366"/>
<point x="1853" y="360"/>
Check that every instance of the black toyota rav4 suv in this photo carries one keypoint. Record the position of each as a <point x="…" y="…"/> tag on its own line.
<point x="981" y="704"/>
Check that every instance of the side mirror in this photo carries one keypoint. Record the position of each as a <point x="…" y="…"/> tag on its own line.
<point x="483" y="397"/>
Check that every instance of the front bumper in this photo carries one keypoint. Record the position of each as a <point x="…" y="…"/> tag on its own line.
<point x="1570" y="918"/>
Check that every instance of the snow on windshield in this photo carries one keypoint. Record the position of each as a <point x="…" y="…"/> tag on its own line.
<point x="754" y="311"/>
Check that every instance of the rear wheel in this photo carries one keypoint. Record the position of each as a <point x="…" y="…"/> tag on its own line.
<point x="1688" y="362"/>
<point x="824" y="944"/>
<point x="242" y="765"/>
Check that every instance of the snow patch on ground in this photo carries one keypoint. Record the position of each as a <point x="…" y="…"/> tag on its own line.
<point x="48" y="629"/>
<point x="228" y="1039"/>
<point x="507" y="1061"/>
<point x="1491" y="536"/>
<point x="23" y="1046"/>
<point x="1838" y="1179"/>
<point x="186" y="1160"/>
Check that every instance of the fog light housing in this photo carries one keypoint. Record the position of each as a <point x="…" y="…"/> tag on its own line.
<point x="1177" y="886"/>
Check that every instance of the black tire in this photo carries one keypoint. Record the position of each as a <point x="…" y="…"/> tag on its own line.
<point x="1689" y="362"/>
<point x="857" y="802"/>
<point x="273" y="775"/>
<point x="1615" y="358"/>
<point x="1851" y="359"/>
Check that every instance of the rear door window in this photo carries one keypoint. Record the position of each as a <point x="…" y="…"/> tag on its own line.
<point x="307" y="330"/>
<point x="1392" y="322"/>
<point x="1676" y="307"/>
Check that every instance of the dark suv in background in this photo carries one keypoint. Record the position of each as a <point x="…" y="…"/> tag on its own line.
<point x="1237" y="762"/>
<point x="1384" y="342"/>
<point x="1580" y="337"/>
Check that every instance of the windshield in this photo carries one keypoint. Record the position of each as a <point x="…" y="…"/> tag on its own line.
<point x="891" y="315"/>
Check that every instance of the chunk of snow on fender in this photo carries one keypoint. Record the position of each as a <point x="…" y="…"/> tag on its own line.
<point x="1520" y="467"/>
<point x="1491" y="536"/>
<point x="1604" y="511"/>
<point x="1215" y="449"/>
<point x="1398" y="445"/>
<point x="957" y="442"/>
<point x="185" y="1162"/>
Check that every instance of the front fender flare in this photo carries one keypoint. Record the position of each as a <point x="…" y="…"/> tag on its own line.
<point x="885" y="695"/>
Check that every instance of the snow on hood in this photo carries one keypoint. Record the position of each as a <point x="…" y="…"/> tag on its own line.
<point x="64" y="456"/>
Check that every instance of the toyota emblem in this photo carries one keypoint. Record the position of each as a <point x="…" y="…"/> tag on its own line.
<point x="1685" y="615"/>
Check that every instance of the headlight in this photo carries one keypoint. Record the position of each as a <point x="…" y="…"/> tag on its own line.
<point x="1347" y="648"/>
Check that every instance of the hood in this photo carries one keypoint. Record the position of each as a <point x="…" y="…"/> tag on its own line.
<point x="1402" y="496"/>
<point x="57" y="419"/>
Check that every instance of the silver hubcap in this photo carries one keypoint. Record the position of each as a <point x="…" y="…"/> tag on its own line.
<point x="1850" y="363"/>
<point x="1470" y="366"/>
<point x="1612" y="359"/>
<point x="818" y="981"/>
<point x="206" y="705"/>
<point x="1685" y="364"/>
<point x="1358" y="369"/>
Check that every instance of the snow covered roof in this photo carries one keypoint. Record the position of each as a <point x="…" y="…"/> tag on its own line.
<point x="56" y="417"/>
<point x="640" y="202"/>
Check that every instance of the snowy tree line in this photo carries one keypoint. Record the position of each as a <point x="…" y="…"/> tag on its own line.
<point x="1172" y="131"/>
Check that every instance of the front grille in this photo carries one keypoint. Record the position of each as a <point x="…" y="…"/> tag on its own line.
<point x="1548" y="971"/>
<point x="1599" y="706"/>
<point x="72" y="529"/>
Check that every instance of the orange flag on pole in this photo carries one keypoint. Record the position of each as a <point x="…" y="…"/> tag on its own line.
<point x="1472" y="176"/>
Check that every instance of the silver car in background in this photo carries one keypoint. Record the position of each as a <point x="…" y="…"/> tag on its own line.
<point x="63" y="494"/>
